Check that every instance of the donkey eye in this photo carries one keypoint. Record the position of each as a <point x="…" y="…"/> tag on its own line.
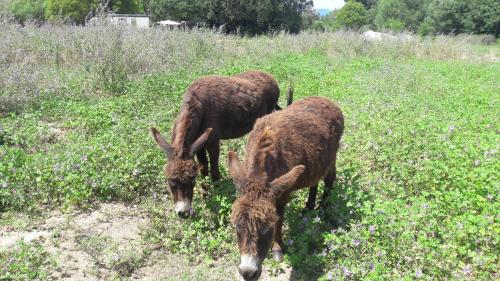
<point x="267" y="230"/>
<point x="172" y="182"/>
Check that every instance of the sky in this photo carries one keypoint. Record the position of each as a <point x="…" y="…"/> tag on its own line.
<point x="328" y="4"/>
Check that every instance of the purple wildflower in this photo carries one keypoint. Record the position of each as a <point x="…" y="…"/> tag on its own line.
<point x="425" y="206"/>
<point x="356" y="242"/>
<point x="467" y="270"/>
<point x="84" y="158"/>
<point x="329" y="276"/>
<point x="290" y="242"/>
<point x="346" y="271"/>
<point x="372" y="229"/>
<point x="418" y="273"/>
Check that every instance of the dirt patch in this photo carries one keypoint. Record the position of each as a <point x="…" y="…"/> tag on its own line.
<point x="106" y="243"/>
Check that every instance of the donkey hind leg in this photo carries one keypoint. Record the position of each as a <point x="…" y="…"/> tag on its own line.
<point x="203" y="160"/>
<point x="329" y="180"/>
<point x="213" y="151"/>
<point x="311" y="200"/>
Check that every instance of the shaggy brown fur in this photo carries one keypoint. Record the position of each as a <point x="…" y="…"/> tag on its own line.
<point x="214" y="108"/>
<point x="287" y="150"/>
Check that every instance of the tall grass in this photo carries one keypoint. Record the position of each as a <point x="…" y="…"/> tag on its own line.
<point x="36" y="62"/>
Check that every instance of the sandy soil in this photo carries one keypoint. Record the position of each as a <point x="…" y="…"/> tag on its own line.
<point x="106" y="242"/>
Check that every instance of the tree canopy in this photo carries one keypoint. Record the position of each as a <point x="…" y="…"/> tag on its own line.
<point x="421" y="16"/>
<point x="262" y="16"/>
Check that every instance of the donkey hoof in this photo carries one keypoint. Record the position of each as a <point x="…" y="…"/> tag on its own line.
<point x="278" y="256"/>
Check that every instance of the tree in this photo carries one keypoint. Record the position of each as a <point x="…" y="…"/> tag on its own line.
<point x="27" y="9"/>
<point x="73" y="11"/>
<point x="459" y="16"/>
<point x="308" y="17"/>
<point x="352" y="15"/>
<point x="257" y="16"/>
<point x="180" y="10"/>
<point x="391" y="13"/>
<point x="368" y="3"/>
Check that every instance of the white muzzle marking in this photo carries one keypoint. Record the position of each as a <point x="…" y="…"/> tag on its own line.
<point x="249" y="263"/>
<point x="183" y="206"/>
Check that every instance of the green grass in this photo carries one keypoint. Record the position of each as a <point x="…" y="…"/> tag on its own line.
<point x="25" y="261"/>
<point x="417" y="190"/>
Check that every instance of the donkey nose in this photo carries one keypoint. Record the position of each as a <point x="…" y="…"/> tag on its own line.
<point x="182" y="208"/>
<point x="249" y="274"/>
<point x="183" y="214"/>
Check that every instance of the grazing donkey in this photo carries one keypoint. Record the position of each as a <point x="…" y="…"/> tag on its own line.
<point x="286" y="150"/>
<point x="214" y="108"/>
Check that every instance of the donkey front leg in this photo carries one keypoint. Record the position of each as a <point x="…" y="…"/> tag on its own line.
<point x="311" y="200"/>
<point x="202" y="159"/>
<point x="213" y="151"/>
<point x="277" y="249"/>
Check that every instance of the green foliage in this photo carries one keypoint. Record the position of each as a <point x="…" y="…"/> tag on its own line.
<point x="256" y="17"/>
<point x="189" y="10"/>
<point x="27" y="10"/>
<point x="72" y="11"/>
<point x="25" y="261"/>
<point x="416" y="194"/>
<point x="368" y="3"/>
<point x="461" y="16"/>
<point x="394" y="25"/>
<point x="124" y="6"/>
<point x="410" y="13"/>
<point x="207" y="232"/>
<point x="352" y="15"/>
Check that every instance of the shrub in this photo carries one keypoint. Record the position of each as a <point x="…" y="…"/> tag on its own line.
<point x="352" y="15"/>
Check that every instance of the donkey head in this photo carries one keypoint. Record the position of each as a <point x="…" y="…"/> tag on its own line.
<point x="254" y="213"/>
<point x="181" y="170"/>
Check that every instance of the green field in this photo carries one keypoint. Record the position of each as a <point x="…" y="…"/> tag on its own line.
<point x="418" y="169"/>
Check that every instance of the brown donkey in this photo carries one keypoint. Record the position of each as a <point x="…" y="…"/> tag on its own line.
<point x="214" y="108"/>
<point x="287" y="150"/>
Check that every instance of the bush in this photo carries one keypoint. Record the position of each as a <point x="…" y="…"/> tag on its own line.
<point x="24" y="10"/>
<point x="352" y="15"/>
<point x="394" y="25"/>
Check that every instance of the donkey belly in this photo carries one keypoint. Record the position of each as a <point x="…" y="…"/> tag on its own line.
<point x="237" y="124"/>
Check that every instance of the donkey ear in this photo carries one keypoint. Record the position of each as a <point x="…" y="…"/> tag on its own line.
<point x="200" y="142"/>
<point x="288" y="180"/>
<point x="236" y="169"/>
<point x="169" y="150"/>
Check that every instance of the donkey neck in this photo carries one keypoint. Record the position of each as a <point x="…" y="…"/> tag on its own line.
<point x="187" y="127"/>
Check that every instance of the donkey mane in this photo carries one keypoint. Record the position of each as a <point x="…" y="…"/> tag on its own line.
<point x="187" y="124"/>
<point x="265" y="148"/>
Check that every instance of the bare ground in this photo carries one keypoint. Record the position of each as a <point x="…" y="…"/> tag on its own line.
<point x="106" y="243"/>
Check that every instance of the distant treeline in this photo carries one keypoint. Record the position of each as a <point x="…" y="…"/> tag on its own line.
<point x="262" y="16"/>
<point x="245" y="17"/>
<point x="419" y="16"/>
